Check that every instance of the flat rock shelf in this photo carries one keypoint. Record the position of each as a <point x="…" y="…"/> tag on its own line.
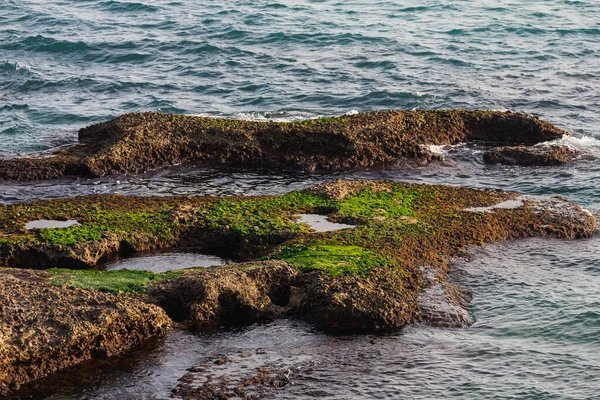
<point x="386" y="269"/>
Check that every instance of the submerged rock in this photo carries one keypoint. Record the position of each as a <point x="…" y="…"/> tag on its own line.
<point x="133" y="143"/>
<point x="529" y="156"/>
<point x="244" y="380"/>
<point x="45" y="327"/>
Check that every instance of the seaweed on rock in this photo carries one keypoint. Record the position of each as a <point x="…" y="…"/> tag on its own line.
<point x="136" y="142"/>
<point x="364" y="279"/>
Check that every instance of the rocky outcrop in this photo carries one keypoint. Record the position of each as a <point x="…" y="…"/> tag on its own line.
<point x="241" y="293"/>
<point x="45" y="327"/>
<point x="133" y="143"/>
<point x="546" y="155"/>
<point x="244" y="293"/>
<point x="389" y="270"/>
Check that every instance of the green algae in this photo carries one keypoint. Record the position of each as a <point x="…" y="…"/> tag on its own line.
<point x="363" y="278"/>
<point x="334" y="260"/>
<point x="108" y="281"/>
<point x="260" y="216"/>
<point x="396" y="202"/>
<point x="72" y="235"/>
<point x="397" y="225"/>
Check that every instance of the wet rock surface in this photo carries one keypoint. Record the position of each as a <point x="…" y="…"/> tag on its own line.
<point x="233" y="377"/>
<point x="529" y="156"/>
<point x="368" y="278"/>
<point x="45" y="327"/>
<point x="442" y="303"/>
<point x="136" y="142"/>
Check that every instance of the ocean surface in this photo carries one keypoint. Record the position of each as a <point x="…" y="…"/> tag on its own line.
<point x="67" y="64"/>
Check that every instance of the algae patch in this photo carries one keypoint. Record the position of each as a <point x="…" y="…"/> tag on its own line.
<point x="109" y="281"/>
<point x="334" y="260"/>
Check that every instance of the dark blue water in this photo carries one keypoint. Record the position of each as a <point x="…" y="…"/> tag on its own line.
<point x="66" y="64"/>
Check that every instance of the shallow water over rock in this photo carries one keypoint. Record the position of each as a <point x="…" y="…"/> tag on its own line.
<point x="46" y="223"/>
<point x="166" y="262"/>
<point x="505" y="205"/>
<point x="320" y="223"/>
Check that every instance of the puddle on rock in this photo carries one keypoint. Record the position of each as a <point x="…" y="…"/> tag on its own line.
<point x="166" y="262"/>
<point x="47" y="223"/>
<point x="505" y="205"/>
<point x="320" y="223"/>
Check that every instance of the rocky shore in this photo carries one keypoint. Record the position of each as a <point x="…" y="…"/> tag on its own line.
<point x="389" y="270"/>
<point x="45" y="328"/>
<point x="386" y="269"/>
<point x="134" y="143"/>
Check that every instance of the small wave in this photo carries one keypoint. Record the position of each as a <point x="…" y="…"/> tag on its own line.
<point x="276" y="116"/>
<point x="45" y="44"/>
<point x="121" y="6"/>
<point x="384" y="64"/>
<point x="15" y="67"/>
<point x="322" y="39"/>
<point x="584" y="144"/>
<point x="276" y="6"/>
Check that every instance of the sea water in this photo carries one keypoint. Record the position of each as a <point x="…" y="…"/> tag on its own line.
<point x="67" y="64"/>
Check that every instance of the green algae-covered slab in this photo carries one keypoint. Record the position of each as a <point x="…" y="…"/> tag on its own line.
<point x="387" y="216"/>
<point x="400" y="232"/>
<point x="133" y="143"/>
<point x="389" y="270"/>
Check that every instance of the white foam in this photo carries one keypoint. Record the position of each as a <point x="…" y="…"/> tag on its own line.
<point x="444" y="149"/>
<point x="19" y="66"/>
<point x="266" y="116"/>
<point x="437" y="149"/>
<point x="582" y="143"/>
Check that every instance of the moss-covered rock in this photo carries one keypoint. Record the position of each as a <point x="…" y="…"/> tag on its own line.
<point x="136" y="142"/>
<point x="369" y="278"/>
<point x="399" y="228"/>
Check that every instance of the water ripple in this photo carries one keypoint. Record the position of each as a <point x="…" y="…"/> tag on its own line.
<point x="316" y="57"/>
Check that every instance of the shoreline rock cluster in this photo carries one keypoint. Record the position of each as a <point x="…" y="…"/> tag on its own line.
<point x="370" y="278"/>
<point x="133" y="143"/>
<point x="59" y="309"/>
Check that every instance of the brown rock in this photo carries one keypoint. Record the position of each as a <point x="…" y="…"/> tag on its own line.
<point x="45" y="328"/>
<point x="246" y="293"/>
<point x="530" y="156"/>
<point x="133" y="143"/>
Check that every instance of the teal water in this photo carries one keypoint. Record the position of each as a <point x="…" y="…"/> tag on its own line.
<point x="66" y="64"/>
